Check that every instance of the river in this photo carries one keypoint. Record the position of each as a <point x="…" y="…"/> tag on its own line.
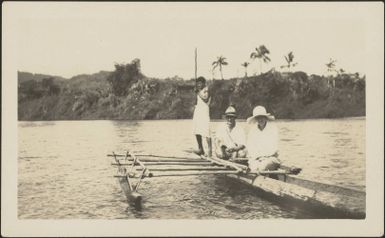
<point x="64" y="173"/>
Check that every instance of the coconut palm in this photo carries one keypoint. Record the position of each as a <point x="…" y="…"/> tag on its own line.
<point x="289" y="60"/>
<point x="245" y="64"/>
<point x="261" y="53"/>
<point x="331" y="67"/>
<point x="221" y="61"/>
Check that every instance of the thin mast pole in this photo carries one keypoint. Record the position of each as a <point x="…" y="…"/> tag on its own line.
<point x="196" y="63"/>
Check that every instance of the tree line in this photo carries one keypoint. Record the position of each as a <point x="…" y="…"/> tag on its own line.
<point x="261" y="53"/>
<point x="31" y="89"/>
<point x="126" y="93"/>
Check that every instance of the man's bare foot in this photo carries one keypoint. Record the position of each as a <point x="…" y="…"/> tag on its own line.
<point x="295" y="170"/>
<point x="208" y="155"/>
<point x="198" y="152"/>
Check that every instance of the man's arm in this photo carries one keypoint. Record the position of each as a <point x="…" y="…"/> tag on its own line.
<point x="240" y="141"/>
<point x="236" y="148"/>
<point x="218" y="138"/>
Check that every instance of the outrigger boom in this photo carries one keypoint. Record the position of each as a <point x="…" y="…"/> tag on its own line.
<point x="339" y="201"/>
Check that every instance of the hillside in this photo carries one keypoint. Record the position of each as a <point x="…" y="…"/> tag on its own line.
<point x="286" y="95"/>
<point x="25" y="76"/>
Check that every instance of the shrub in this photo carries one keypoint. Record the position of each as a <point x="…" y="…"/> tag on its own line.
<point x="124" y="76"/>
<point x="31" y="88"/>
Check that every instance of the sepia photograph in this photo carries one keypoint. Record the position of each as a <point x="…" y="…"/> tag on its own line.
<point x="192" y="119"/>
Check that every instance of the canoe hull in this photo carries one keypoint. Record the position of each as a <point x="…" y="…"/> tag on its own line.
<point x="133" y="197"/>
<point x="332" y="201"/>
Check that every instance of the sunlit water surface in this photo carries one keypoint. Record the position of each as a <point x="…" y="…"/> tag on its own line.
<point x="63" y="170"/>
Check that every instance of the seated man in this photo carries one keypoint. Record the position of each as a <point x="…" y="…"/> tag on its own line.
<point x="262" y="141"/>
<point x="230" y="138"/>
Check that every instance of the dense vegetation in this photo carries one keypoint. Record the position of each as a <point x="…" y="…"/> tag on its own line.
<point x="128" y="94"/>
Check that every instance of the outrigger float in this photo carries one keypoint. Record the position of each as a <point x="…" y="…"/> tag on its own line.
<point x="331" y="200"/>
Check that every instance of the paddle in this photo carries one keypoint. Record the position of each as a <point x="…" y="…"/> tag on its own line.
<point x="243" y="168"/>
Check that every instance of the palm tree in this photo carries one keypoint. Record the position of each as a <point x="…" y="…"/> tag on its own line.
<point x="331" y="67"/>
<point x="221" y="61"/>
<point x="245" y="64"/>
<point x="261" y="53"/>
<point x="289" y="60"/>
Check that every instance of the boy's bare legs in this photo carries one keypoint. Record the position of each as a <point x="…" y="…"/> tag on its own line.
<point x="209" y="146"/>
<point x="200" y="150"/>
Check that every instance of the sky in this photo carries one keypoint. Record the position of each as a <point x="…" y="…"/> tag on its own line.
<point x="68" y="39"/>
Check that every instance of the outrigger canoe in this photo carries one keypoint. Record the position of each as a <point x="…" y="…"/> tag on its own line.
<point x="281" y="185"/>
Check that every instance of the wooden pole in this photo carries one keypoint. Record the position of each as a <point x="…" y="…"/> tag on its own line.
<point x="203" y="163"/>
<point x="238" y="167"/>
<point x="155" y="156"/>
<point x="196" y="61"/>
<point x="190" y="173"/>
<point x="166" y="157"/>
<point x="163" y="168"/>
<point x="145" y="160"/>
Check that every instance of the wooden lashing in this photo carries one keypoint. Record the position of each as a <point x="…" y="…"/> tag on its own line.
<point x="142" y="173"/>
<point x="121" y="170"/>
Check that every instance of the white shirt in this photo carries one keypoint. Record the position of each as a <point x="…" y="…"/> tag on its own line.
<point x="230" y="138"/>
<point x="262" y="143"/>
<point x="201" y="117"/>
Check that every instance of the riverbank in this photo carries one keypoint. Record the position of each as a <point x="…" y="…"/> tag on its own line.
<point x="286" y="95"/>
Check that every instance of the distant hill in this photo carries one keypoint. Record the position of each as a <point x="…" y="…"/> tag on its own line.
<point x="24" y="76"/>
<point x="89" y="81"/>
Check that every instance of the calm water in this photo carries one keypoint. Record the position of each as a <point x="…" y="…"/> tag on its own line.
<point x="64" y="172"/>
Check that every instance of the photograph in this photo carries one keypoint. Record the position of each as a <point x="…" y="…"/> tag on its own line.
<point x="192" y="119"/>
